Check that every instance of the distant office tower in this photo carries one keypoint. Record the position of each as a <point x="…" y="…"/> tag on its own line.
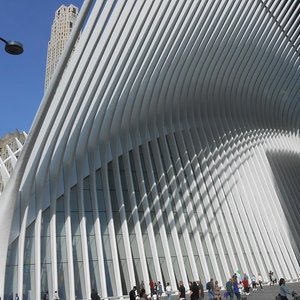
<point x="64" y="20"/>
<point x="10" y="148"/>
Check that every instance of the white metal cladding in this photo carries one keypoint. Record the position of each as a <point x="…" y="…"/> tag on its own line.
<point x="8" y="162"/>
<point x="168" y="148"/>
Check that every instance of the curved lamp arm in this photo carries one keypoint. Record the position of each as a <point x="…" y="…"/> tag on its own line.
<point x="12" y="47"/>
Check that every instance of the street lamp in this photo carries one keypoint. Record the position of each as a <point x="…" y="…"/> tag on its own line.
<point x="12" y="47"/>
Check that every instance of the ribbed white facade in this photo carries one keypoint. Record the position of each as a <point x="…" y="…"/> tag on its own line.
<point x="167" y="149"/>
<point x="10" y="148"/>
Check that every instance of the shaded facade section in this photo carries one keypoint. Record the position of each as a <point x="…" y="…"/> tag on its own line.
<point x="166" y="210"/>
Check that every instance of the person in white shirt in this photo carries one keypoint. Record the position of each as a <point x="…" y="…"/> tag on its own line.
<point x="260" y="280"/>
<point x="55" y="296"/>
<point x="169" y="291"/>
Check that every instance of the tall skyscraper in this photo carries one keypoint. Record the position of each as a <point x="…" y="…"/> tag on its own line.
<point x="65" y="18"/>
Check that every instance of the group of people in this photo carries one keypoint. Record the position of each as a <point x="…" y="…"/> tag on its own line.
<point x="46" y="296"/>
<point x="239" y="285"/>
<point x="235" y="287"/>
<point x="156" y="290"/>
<point x="196" y="290"/>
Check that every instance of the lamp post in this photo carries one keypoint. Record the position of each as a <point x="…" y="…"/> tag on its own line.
<point x="12" y="47"/>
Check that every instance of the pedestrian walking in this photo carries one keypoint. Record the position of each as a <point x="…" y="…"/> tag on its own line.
<point x="195" y="291"/>
<point x="229" y="289"/>
<point x="201" y="290"/>
<point x="260" y="281"/>
<point x="283" y="290"/>
<point x="169" y="291"/>
<point x="217" y="291"/>
<point x="159" y="289"/>
<point x="210" y="289"/>
<point x="181" y="290"/>
<point x="55" y="296"/>
<point x="236" y="289"/>
<point x="132" y="293"/>
<point x="253" y="281"/>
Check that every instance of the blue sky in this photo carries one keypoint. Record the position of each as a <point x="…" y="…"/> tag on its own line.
<point x="22" y="77"/>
